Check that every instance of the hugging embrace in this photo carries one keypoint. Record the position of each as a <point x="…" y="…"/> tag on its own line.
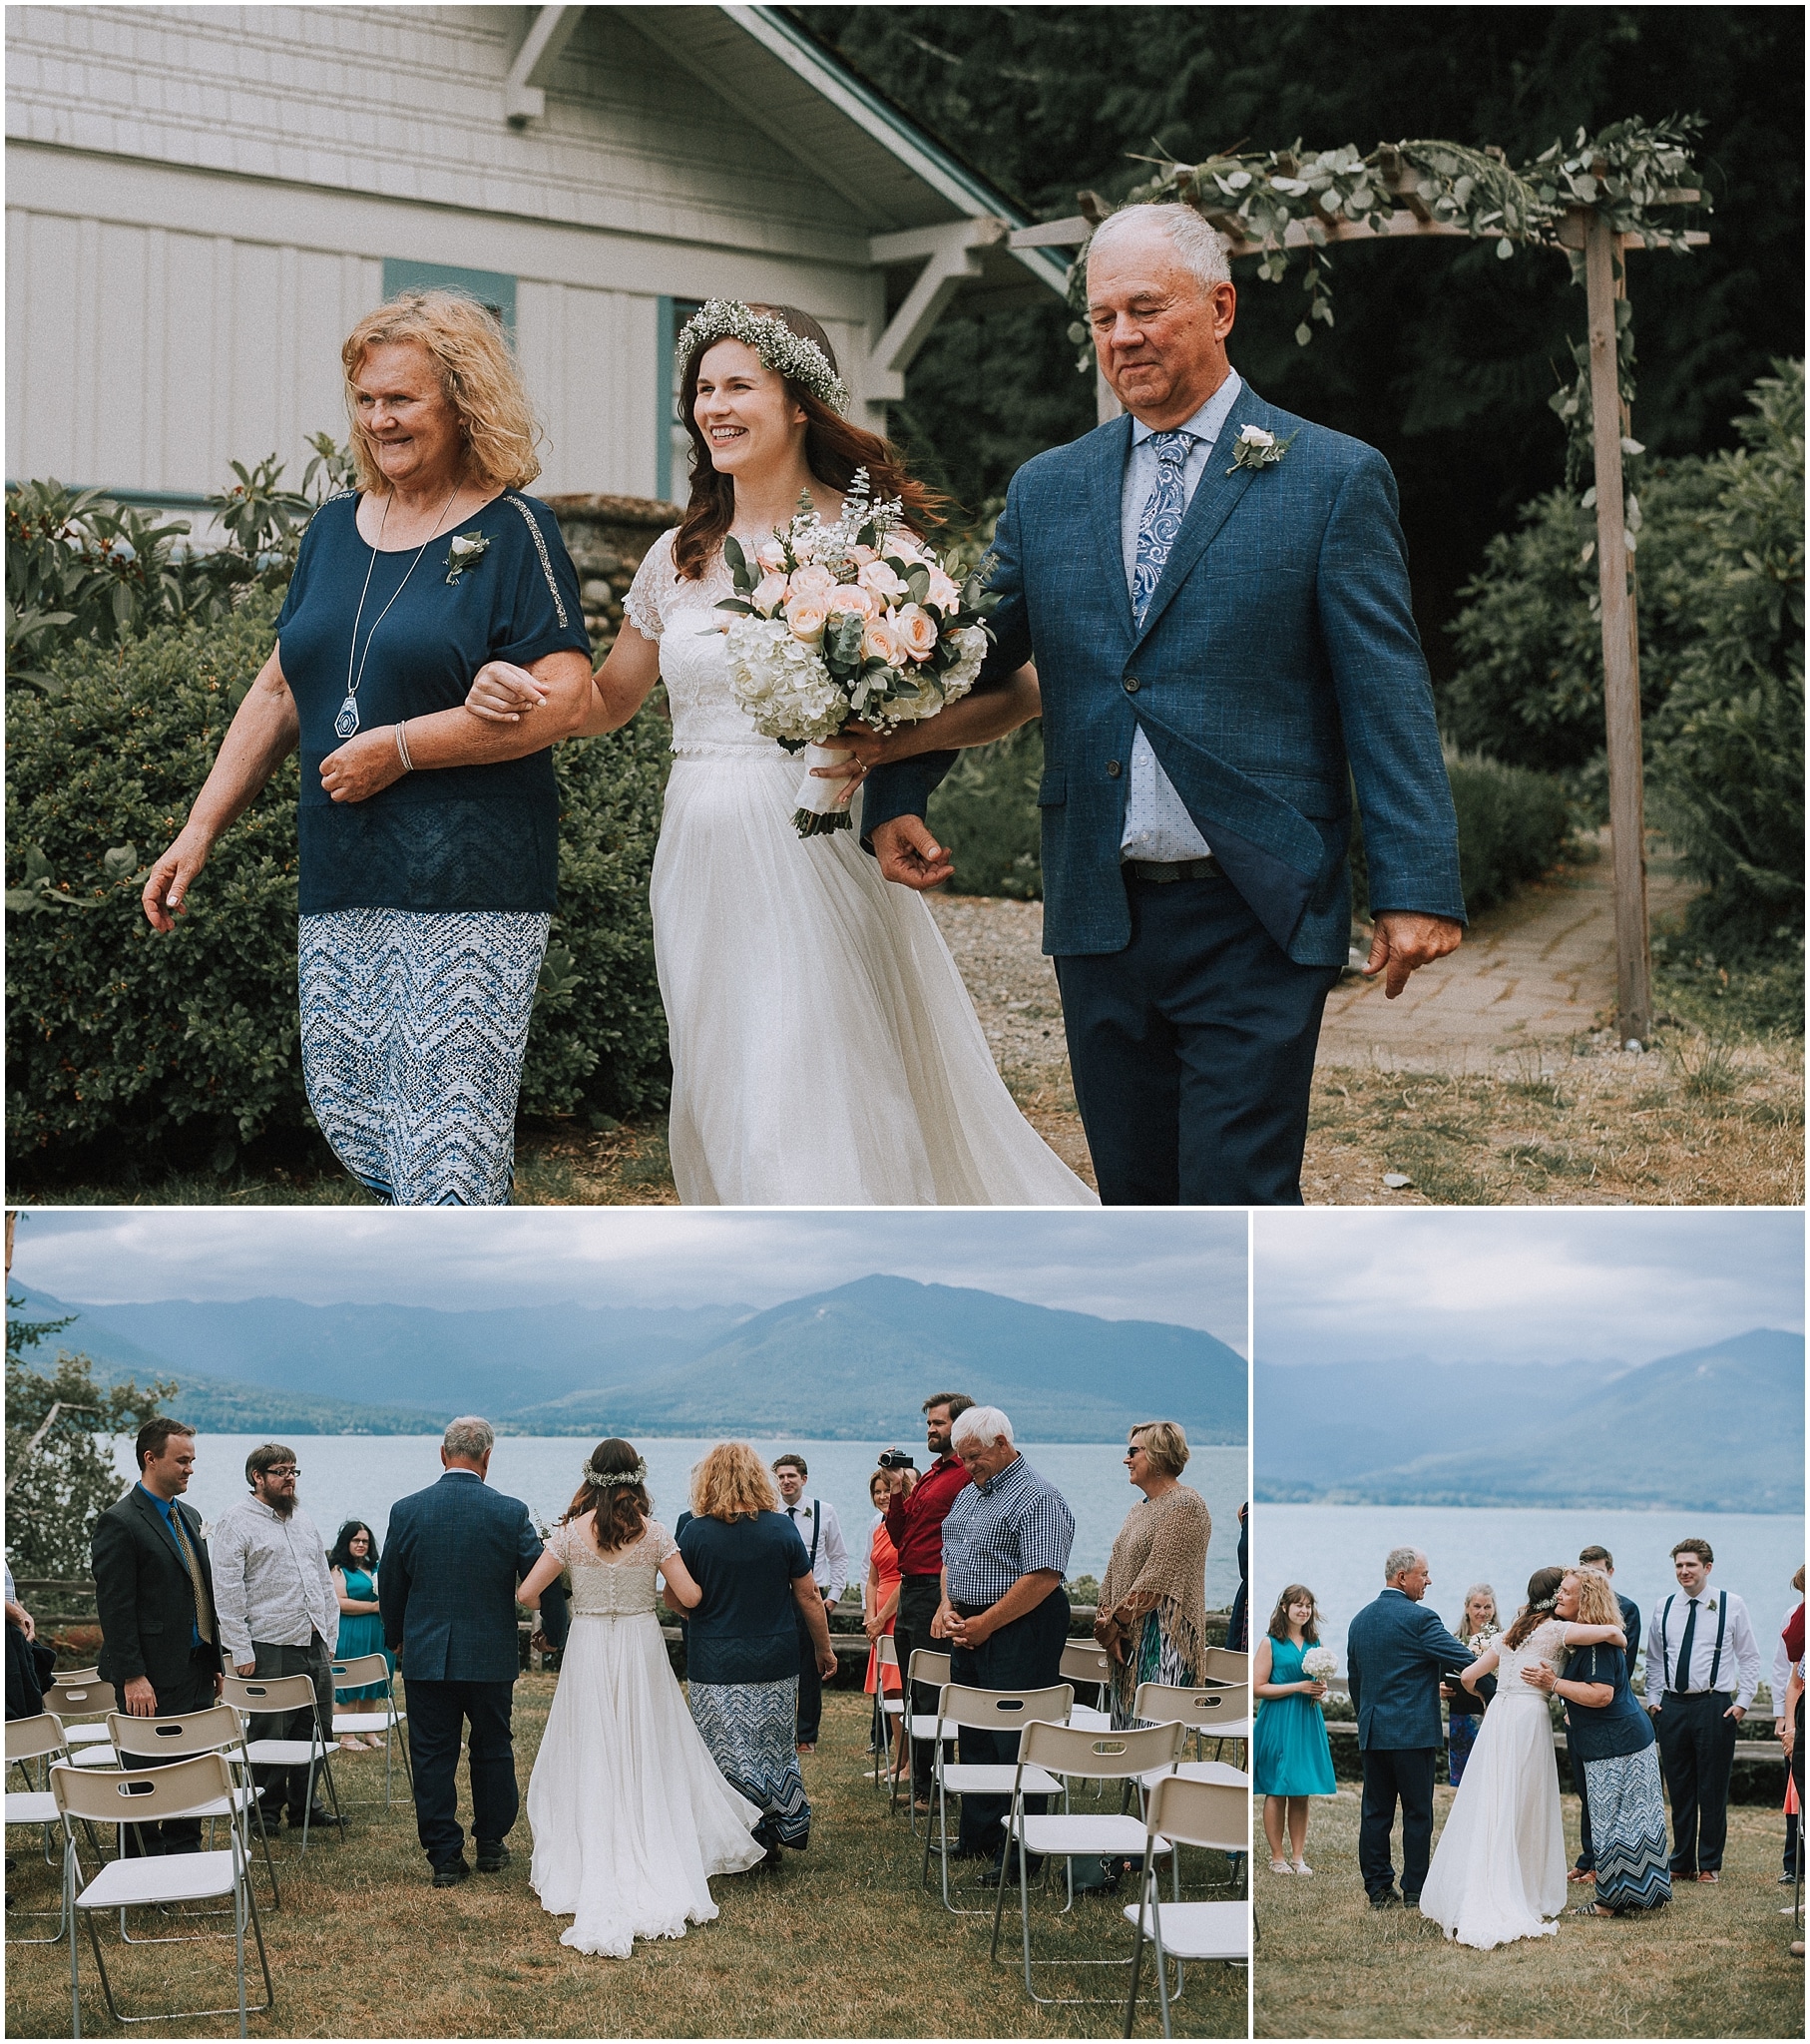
<point x="1206" y="602"/>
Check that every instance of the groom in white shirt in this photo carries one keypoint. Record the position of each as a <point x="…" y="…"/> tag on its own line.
<point x="1702" y="1669"/>
<point x="821" y="1531"/>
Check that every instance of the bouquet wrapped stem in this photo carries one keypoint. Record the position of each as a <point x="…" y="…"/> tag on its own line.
<point x="824" y="804"/>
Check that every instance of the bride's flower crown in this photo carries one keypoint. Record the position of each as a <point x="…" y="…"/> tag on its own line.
<point x="784" y="353"/>
<point x="603" y="1480"/>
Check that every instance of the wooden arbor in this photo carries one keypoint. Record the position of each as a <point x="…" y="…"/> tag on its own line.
<point x="1585" y="230"/>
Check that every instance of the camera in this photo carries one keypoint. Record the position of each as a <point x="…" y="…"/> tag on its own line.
<point x="896" y="1459"/>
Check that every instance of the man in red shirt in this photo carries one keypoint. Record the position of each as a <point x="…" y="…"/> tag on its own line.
<point x="914" y="1525"/>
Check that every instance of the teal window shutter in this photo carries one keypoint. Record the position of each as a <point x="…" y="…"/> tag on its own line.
<point x="673" y="445"/>
<point x="488" y="287"/>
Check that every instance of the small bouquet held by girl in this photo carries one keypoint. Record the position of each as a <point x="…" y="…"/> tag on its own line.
<point x="1319" y="1664"/>
<point x="855" y="621"/>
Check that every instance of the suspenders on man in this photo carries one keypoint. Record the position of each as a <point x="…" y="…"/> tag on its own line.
<point x="1697" y="1740"/>
<point x="811" y="1683"/>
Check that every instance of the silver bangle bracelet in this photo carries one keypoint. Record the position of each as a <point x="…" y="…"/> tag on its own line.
<point x="408" y="765"/>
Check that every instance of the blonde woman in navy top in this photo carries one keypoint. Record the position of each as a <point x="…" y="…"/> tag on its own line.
<point x="428" y="837"/>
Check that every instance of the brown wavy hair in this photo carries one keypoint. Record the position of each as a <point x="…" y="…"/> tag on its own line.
<point x="1278" y="1619"/>
<point x="1543" y="1587"/>
<point x="732" y="1483"/>
<point x="622" y="1509"/>
<point x="1597" y="1603"/>
<point x="833" y="449"/>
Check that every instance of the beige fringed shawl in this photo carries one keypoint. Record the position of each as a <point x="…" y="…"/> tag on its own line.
<point x="1158" y="1564"/>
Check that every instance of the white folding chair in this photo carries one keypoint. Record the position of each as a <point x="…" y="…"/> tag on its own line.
<point x="1061" y="1751"/>
<point x="888" y="1710"/>
<point x="931" y="1669"/>
<point x="198" y="1786"/>
<point x="219" y="1729"/>
<point x="1084" y="1662"/>
<point x="27" y="1740"/>
<point x="1185" y="1813"/>
<point x="1225" y="1666"/>
<point x="1201" y="1711"/>
<point x="363" y="1670"/>
<point x="985" y="1710"/>
<point x="260" y="1696"/>
<point x="77" y="1696"/>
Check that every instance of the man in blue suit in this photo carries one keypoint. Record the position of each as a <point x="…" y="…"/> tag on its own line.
<point x="1396" y="1654"/>
<point x="452" y="1559"/>
<point x="1216" y="593"/>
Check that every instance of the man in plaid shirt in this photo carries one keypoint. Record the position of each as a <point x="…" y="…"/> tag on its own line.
<point x="1004" y="1612"/>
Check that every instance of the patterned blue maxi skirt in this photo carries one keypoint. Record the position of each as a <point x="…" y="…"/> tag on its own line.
<point x="413" y="1028"/>
<point x="752" y="1729"/>
<point x="1627" y="1831"/>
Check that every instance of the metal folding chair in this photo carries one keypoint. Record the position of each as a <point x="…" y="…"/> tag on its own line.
<point x="931" y="1669"/>
<point x="198" y="1786"/>
<point x="1082" y="1661"/>
<point x="887" y="1709"/>
<point x="361" y="1671"/>
<point x="985" y="1710"/>
<point x="1185" y="1813"/>
<point x="1224" y="1665"/>
<point x="27" y="1740"/>
<point x="257" y="1695"/>
<point x="1200" y="1709"/>
<point x="1062" y="1751"/>
<point x="219" y="1729"/>
<point x="73" y="1698"/>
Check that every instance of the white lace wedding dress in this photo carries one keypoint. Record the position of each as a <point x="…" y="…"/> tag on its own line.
<point x="1498" y="1872"/>
<point x="630" y="1817"/>
<point x="824" y="1049"/>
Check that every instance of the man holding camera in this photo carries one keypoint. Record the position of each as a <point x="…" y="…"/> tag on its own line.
<point x="914" y="1525"/>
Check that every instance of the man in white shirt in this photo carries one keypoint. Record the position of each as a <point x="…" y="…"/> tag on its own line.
<point x="821" y="1532"/>
<point x="277" y="1614"/>
<point x="1702" y="1669"/>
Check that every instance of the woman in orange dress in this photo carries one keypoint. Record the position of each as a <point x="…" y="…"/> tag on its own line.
<point x="880" y="1604"/>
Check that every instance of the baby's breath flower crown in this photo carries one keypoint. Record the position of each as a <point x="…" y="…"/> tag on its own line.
<point x="784" y="353"/>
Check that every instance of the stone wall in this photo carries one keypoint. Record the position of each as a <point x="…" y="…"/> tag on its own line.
<point x="607" y="538"/>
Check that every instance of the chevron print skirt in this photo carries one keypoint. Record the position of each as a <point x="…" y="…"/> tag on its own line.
<point x="412" y="1032"/>
<point x="1627" y="1831"/>
<point x="750" y="1729"/>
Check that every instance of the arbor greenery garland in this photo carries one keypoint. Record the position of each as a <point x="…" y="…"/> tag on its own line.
<point x="1624" y="172"/>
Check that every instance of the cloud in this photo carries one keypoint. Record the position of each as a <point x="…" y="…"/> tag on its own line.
<point x="1521" y="1286"/>
<point x="1180" y="1267"/>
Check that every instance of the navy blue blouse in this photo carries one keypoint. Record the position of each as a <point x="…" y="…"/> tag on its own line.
<point x="444" y="839"/>
<point x="1618" y="1728"/>
<point x="745" y="1629"/>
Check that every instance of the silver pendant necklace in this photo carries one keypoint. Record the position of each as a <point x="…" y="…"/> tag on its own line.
<point x="345" y="725"/>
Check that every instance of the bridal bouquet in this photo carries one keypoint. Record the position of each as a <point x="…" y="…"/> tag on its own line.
<point x="859" y="619"/>
<point x="1319" y="1664"/>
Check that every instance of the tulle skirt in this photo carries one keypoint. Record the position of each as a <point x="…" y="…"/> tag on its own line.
<point x="630" y="1815"/>
<point x="824" y="1049"/>
<point x="1497" y="1873"/>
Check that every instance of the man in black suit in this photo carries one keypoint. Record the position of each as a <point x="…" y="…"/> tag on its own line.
<point x="153" y="1589"/>
<point x="1600" y="1558"/>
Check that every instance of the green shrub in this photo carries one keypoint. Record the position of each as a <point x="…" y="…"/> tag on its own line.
<point x="986" y="811"/>
<point x="116" y="1034"/>
<point x="1513" y="825"/>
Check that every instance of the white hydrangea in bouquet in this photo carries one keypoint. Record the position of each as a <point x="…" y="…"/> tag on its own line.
<point x="855" y="620"/>
<point x="1319" y="1664"/>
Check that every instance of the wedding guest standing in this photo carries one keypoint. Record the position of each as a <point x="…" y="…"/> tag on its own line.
<point x="1464" y="1712"/>
<point x="1600" y="1558"/>
<point x="821" y="1530"/>
<point x="1238" y="1629"/>
<point x="1785" y="1655"/>
<point x="1151" y="1617"/>
<point x="1610" y="1742"/>
<point x="428" y="837"/>
<point x="1702" y="1669"/>
<point x="914" y="1524"/>
<point x="880" y="1611"/>
<point x="1291" y="1753"/>
<point x="352" y="1563"/>
<point x="1005" y="1612"/>
<point x="752" y="1572"/>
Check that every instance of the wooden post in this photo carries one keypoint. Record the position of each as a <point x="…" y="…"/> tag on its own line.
<point x="1621" y="668"/>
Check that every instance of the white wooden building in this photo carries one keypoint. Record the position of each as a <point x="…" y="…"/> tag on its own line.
<point x="200" y="200"/>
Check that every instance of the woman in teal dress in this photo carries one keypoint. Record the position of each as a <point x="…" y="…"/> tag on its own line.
<point x="1291" y="1753"/>
<point x="353" y="1562"/>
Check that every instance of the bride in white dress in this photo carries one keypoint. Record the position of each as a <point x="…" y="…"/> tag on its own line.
<point x="824" y="1049"/>
<point x="1497" y="1873"/>
<point x="630" y="1817"/>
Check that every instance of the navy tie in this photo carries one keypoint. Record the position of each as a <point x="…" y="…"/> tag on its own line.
<point x="1682" y="1680"/>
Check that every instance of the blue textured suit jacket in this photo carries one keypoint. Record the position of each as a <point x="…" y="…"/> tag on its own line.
<point x="452" y="1559"/>
<point x="1396" y="1651"/>
<point x="1278" y="662"/>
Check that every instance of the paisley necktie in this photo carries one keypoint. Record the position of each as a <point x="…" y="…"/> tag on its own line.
<point x="1164" y="512"/>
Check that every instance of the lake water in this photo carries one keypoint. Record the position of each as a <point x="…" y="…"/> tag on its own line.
<point x="348" y="1477"/>
<point x="1338" y="1550"/>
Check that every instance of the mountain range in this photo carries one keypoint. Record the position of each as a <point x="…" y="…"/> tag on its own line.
<point x="1716" y="1429"/>
<point x="851" y="1364"/>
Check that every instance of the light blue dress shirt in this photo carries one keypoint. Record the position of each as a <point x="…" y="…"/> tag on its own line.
<point x="1156" y="823"/>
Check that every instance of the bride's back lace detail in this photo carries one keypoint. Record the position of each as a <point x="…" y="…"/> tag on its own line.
<point x="708" y="722"/>
<point x="1546" y="1643"/>
<point x="620" y="1584"/>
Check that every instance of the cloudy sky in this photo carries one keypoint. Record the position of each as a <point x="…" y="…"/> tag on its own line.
<point x="1589" y="1284"/>
<point x="1183" y="1268"/>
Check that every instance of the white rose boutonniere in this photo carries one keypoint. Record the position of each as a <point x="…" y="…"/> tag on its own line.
<point x="1254" y="448"/>
<point x="465" y="551"/>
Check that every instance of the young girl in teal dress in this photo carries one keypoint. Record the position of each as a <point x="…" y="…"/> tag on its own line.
<point x="353" y="1563"/>
<point x="1290" y="1752"/>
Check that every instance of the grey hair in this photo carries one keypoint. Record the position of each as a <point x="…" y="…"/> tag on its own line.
<point x="985" y="1423"/>
<point x="1483" y="1590"/>
<point x="1400" y="1561"/>
<point x="469" y="1436"/>
<point x="1199" y="248"/>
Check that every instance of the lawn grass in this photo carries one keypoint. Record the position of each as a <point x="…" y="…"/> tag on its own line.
<point x="837" y="1944"/>
<point x="1714" y="1963"/>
